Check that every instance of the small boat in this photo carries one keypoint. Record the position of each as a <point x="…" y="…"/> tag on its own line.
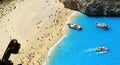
<point x="102" y="25"/>
<point x="101" y="49"/>
<point x="74" y="26"/>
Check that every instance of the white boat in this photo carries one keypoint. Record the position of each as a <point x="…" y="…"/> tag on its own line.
<point x="74" y="26"/>
<point x="101" y="49"/>
<point x="102" y="25"/>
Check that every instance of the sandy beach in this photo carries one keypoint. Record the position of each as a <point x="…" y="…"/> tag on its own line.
<point x="37" y="24"/>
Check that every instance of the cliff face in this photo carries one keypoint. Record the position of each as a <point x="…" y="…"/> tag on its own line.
<point x="94" y="7"/>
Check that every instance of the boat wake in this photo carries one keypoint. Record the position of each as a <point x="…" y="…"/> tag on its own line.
<point x="101" y="52"/>
<point x="90" y="50"/>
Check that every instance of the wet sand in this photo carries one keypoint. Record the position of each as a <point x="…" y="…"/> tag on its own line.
<point x="37" y="25"/>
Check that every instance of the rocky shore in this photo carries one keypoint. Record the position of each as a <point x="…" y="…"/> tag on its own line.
<point x="94" y="7"/>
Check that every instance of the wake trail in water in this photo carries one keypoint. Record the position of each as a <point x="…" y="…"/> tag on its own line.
<point x="90" y="50"/>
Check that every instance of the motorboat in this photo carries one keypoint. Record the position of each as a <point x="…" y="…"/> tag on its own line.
<point x="101" y="49"/>
<point x="74" y="26"/>
<point x="102" y="25"/>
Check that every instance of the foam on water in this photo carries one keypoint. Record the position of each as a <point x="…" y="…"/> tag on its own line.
<point x="78" y="47"/>
<point x="65" y="29"/>
<point x="71" y="19"/>
<point x="90" y="50"/>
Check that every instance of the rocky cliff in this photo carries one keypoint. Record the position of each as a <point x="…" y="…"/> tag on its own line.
<point x="94" y="7"/>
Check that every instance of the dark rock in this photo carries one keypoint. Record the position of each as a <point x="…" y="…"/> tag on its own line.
<point x="13" y="48"/>
<point x="94" y="7"/>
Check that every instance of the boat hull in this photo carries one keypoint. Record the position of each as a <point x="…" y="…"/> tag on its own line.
<point x="74" y="26"/>
<point x="102" y="26"/>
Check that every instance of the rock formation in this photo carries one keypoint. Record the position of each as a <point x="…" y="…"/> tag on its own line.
<point x="94" y="7"/>
<point x="13" y="48"/>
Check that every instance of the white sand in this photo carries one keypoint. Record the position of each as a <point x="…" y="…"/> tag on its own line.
<point x="37" y="24"/>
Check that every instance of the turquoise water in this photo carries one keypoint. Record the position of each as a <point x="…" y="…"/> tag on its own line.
<point x="78" y="47"/>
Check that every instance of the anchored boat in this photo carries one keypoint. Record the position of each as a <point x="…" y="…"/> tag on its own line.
<point x="74" y="26"/>
<point x="102" y="25"/>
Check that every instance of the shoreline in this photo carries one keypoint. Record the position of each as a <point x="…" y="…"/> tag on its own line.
<point x="52" y="49"/>
<point x="34" y="35"/>
<point x="27" y="23"/>
<point x="70" y="19"/>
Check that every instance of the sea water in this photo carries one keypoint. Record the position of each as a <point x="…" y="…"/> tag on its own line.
<point x="78" y="47"/>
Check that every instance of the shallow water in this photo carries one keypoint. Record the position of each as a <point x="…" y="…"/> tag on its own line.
<point x="78" y="47"/>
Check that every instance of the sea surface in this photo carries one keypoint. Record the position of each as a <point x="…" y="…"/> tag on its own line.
<point x="78" y="47"/>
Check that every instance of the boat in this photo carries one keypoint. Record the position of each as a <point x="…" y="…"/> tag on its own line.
<point x="101" y="49"/>
<point x="74" y="26"/>
<point x="102" y="25"/>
